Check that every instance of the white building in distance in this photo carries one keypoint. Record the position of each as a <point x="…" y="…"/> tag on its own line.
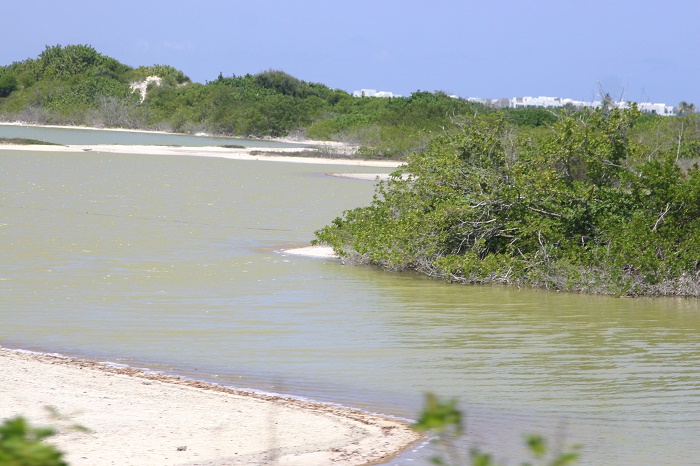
<point x="373" y="93"/>
<point x="659" y="109"/>
<point x="541" y="101"/>
<point x="548" y="102"/>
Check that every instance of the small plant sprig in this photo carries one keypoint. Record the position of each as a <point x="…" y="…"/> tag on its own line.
<point x="444" y="420"/>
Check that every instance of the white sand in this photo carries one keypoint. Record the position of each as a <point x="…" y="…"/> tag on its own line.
<point x="222" y="152"/>
<point x="362" y="176"/>
<point x="142" y="418"/>
<point x="320" y="252"/>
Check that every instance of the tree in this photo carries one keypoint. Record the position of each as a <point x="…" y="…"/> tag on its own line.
<point x="685" y="108"/>
<point x="8" y="84"/>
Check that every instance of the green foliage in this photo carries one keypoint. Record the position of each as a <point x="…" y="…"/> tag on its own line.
<point x="572" y="208"/>
<point x="444" y="420"/>
<point x="532" y="116"/>
<point x="393" y="128"/>
<point x="26" y="142"/>
<point x="58" y="62"/>
<point x="23" y="445"/>
<point x="283" y="83"/>
<point x="8" y="84"/>
<point x="84" y="93"/>
<point x="71" y="85"/>
<point x="171" y="76"/>
<point x="439" y="416"/>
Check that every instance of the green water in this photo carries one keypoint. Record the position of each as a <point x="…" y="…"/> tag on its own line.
<point x="175" y="263"/>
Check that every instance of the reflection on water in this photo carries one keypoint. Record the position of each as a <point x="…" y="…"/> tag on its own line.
<point x="174" y="263"/>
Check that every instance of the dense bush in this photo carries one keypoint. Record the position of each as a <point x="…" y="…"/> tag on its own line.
<point x="8" y="84"/>
<point x="70" y="85"/>
<point x="573" y="208"/>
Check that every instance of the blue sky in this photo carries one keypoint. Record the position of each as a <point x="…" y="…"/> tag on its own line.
<point x="641" y="50"/>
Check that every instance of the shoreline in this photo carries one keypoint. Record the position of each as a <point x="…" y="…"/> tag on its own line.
<point x="141" y="417"/>
<point x="152" y="131"/>
<point x="210" y="151"/>
<point x="257" y="153"/>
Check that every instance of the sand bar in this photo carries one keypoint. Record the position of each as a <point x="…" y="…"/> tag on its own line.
<point x="319" y="252"/>
<point x="251" y="153"/>
<point x="137" y="418"/>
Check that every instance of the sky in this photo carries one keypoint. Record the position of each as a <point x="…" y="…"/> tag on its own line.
<point x="637" y="50"/>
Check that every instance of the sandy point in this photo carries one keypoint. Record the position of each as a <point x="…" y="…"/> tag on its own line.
<point x="136" y="417"/>
<point x="269" y="154"/>
<point x="318" y="252"/>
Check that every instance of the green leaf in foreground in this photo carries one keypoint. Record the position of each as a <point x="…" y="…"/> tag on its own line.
<point x="22" y="445"/>
<point x="444" y="420"/>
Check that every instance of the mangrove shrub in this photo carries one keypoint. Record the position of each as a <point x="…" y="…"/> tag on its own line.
<point x="575" y="207"/>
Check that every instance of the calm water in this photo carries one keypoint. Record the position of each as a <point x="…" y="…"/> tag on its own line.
<point x="174" y="263"/>
<point x="88" y="136"/>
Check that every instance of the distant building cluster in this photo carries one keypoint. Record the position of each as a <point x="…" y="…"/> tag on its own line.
<point x="373" y="93"/>
<point x="549" y="102"/>
<point x="545" y="102"/>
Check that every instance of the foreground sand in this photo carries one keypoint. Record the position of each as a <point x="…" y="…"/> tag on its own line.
<point x="143" y="418"/>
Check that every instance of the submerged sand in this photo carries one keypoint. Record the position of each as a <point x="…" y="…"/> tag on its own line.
<point x="139" y="418"/>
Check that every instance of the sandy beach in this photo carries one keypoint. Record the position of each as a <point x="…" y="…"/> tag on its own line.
<point x="138" y="418"/>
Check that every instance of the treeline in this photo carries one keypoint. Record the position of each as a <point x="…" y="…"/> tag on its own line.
<point x="76" y="85"/>
<point x="599" y="201"/>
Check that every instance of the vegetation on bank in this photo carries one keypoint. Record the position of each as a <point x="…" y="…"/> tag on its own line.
<point x="76" y="85"/>
<point x="600" y="201"/>
<point x="26" y="142"/>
